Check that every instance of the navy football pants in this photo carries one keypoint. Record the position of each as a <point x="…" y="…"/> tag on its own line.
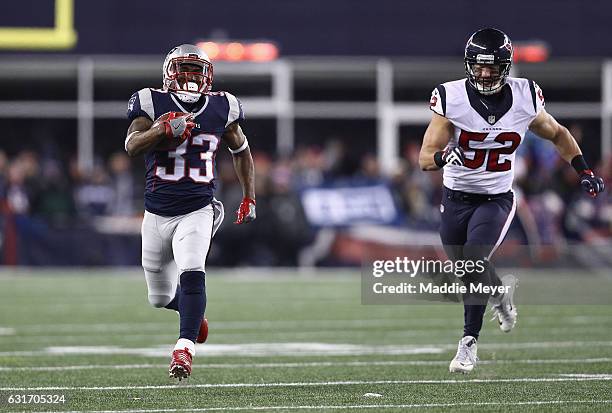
<point x="472" y="227"/>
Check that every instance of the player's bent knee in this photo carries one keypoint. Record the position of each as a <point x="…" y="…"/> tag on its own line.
<point x="150" y="268"/>
<point x="161" y="289"/>
<point x="159" y="300"/>
<point x="191" y="263"/>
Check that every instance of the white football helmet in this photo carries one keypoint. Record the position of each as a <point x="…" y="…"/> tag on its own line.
<point x="180" y="77"/>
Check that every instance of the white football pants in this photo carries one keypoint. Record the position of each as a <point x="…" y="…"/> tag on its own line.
<point x="173" y="245"/>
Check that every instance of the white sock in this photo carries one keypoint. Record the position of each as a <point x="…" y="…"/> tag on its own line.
<point x="183" y="343"/>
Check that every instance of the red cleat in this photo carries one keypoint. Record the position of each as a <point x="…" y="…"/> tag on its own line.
<point x="203" y="334"/>
<point x="180" y="366"/>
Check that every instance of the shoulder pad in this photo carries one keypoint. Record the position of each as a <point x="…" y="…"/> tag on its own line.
<point x="437" y="103"/>
<point x="235" y="112"/>
<point x="537" y="97"/>
<point x="141" y="104"/>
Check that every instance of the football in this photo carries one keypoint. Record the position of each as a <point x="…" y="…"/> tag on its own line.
<point x="168" y="144"/>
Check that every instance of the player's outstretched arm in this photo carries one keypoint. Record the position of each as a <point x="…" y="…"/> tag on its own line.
<point x="547" y="127"/>
<point x="437" y="136"/>
<point x="245" y="169"/>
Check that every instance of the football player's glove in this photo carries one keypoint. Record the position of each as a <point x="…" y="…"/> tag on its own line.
<point x="592" y="184"/>
<point x="246" y="211"/>
<point x="176" y="124"/>
<point x="450" y="156"/>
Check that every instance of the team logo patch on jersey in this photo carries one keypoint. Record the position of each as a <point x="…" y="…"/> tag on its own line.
<point x="491" y="119"/>
<point x="131" y="102"/>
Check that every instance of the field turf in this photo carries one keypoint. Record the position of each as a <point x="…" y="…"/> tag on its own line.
<point x="284" y="341"/>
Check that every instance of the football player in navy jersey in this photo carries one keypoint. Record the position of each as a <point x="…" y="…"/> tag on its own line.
<point x="477" y="125"/>
<point x="178" y="129"/>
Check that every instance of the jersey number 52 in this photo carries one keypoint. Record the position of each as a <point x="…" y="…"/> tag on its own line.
<point x="490" y="155"/>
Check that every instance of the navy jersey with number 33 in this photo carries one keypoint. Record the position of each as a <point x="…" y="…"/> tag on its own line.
<point x="182" y="180"/>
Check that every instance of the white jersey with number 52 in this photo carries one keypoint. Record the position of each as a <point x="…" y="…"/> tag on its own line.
<point x="489" y="129"/>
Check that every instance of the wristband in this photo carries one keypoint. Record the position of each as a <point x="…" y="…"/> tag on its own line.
<point x="241" y="148"/>
<point x="129" y="137"/>
<point x="438" y="160"/>
<point x="579" y="164"/>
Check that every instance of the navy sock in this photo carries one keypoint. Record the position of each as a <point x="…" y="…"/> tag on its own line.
<point x="192" y="303"/>
<point x="475" y="301"/>
<point x="174" y="304"/>
<point x="472" y="316"/>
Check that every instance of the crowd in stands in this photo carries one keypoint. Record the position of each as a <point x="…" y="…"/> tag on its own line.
<point x="44" y="186"/>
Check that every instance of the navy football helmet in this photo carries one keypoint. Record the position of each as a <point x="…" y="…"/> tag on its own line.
<point x="188" y="72"/>
<point x="488" y="58"/>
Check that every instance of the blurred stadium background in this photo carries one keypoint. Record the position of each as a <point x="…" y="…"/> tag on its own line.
<point x="334" y="100"/>
<point x="336" y="97"/>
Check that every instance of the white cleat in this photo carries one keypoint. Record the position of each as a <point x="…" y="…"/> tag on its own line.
<point x="504" y="310"/>
<point x="466" y="358"/>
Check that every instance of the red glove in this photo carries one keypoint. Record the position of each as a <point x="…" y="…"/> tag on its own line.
<point x="246" y="211"/>
<point x="177" y="124"/>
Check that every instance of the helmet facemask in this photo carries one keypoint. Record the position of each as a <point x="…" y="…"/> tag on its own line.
<point x="188" y="77"/>
<point x="487" y="85"/>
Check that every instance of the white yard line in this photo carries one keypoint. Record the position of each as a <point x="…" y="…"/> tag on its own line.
<point x="594" y="377"/>
<point x="581" y="376"/>
<point x="294" y="349"/>
<point x="250" y="349"/>
<point x="233" y="336"/>
<point x="308" y="364"/>
<point x="7" y="331"/>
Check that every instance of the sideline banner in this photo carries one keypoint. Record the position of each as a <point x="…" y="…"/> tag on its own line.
<point x="346" y="206"/>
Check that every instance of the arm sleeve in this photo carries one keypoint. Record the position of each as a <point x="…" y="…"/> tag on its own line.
<point x="140" y="104"/>
<point x="437" y="103"/>
<point x="235" y="112"/>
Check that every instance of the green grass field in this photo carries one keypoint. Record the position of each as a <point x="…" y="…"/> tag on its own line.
<point x="286" y="342"/>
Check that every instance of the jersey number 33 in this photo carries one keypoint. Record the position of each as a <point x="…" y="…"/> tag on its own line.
<point x="179" y="166"/>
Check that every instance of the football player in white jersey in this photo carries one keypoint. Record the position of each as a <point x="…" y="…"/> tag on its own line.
<point x="477" y="125"/>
